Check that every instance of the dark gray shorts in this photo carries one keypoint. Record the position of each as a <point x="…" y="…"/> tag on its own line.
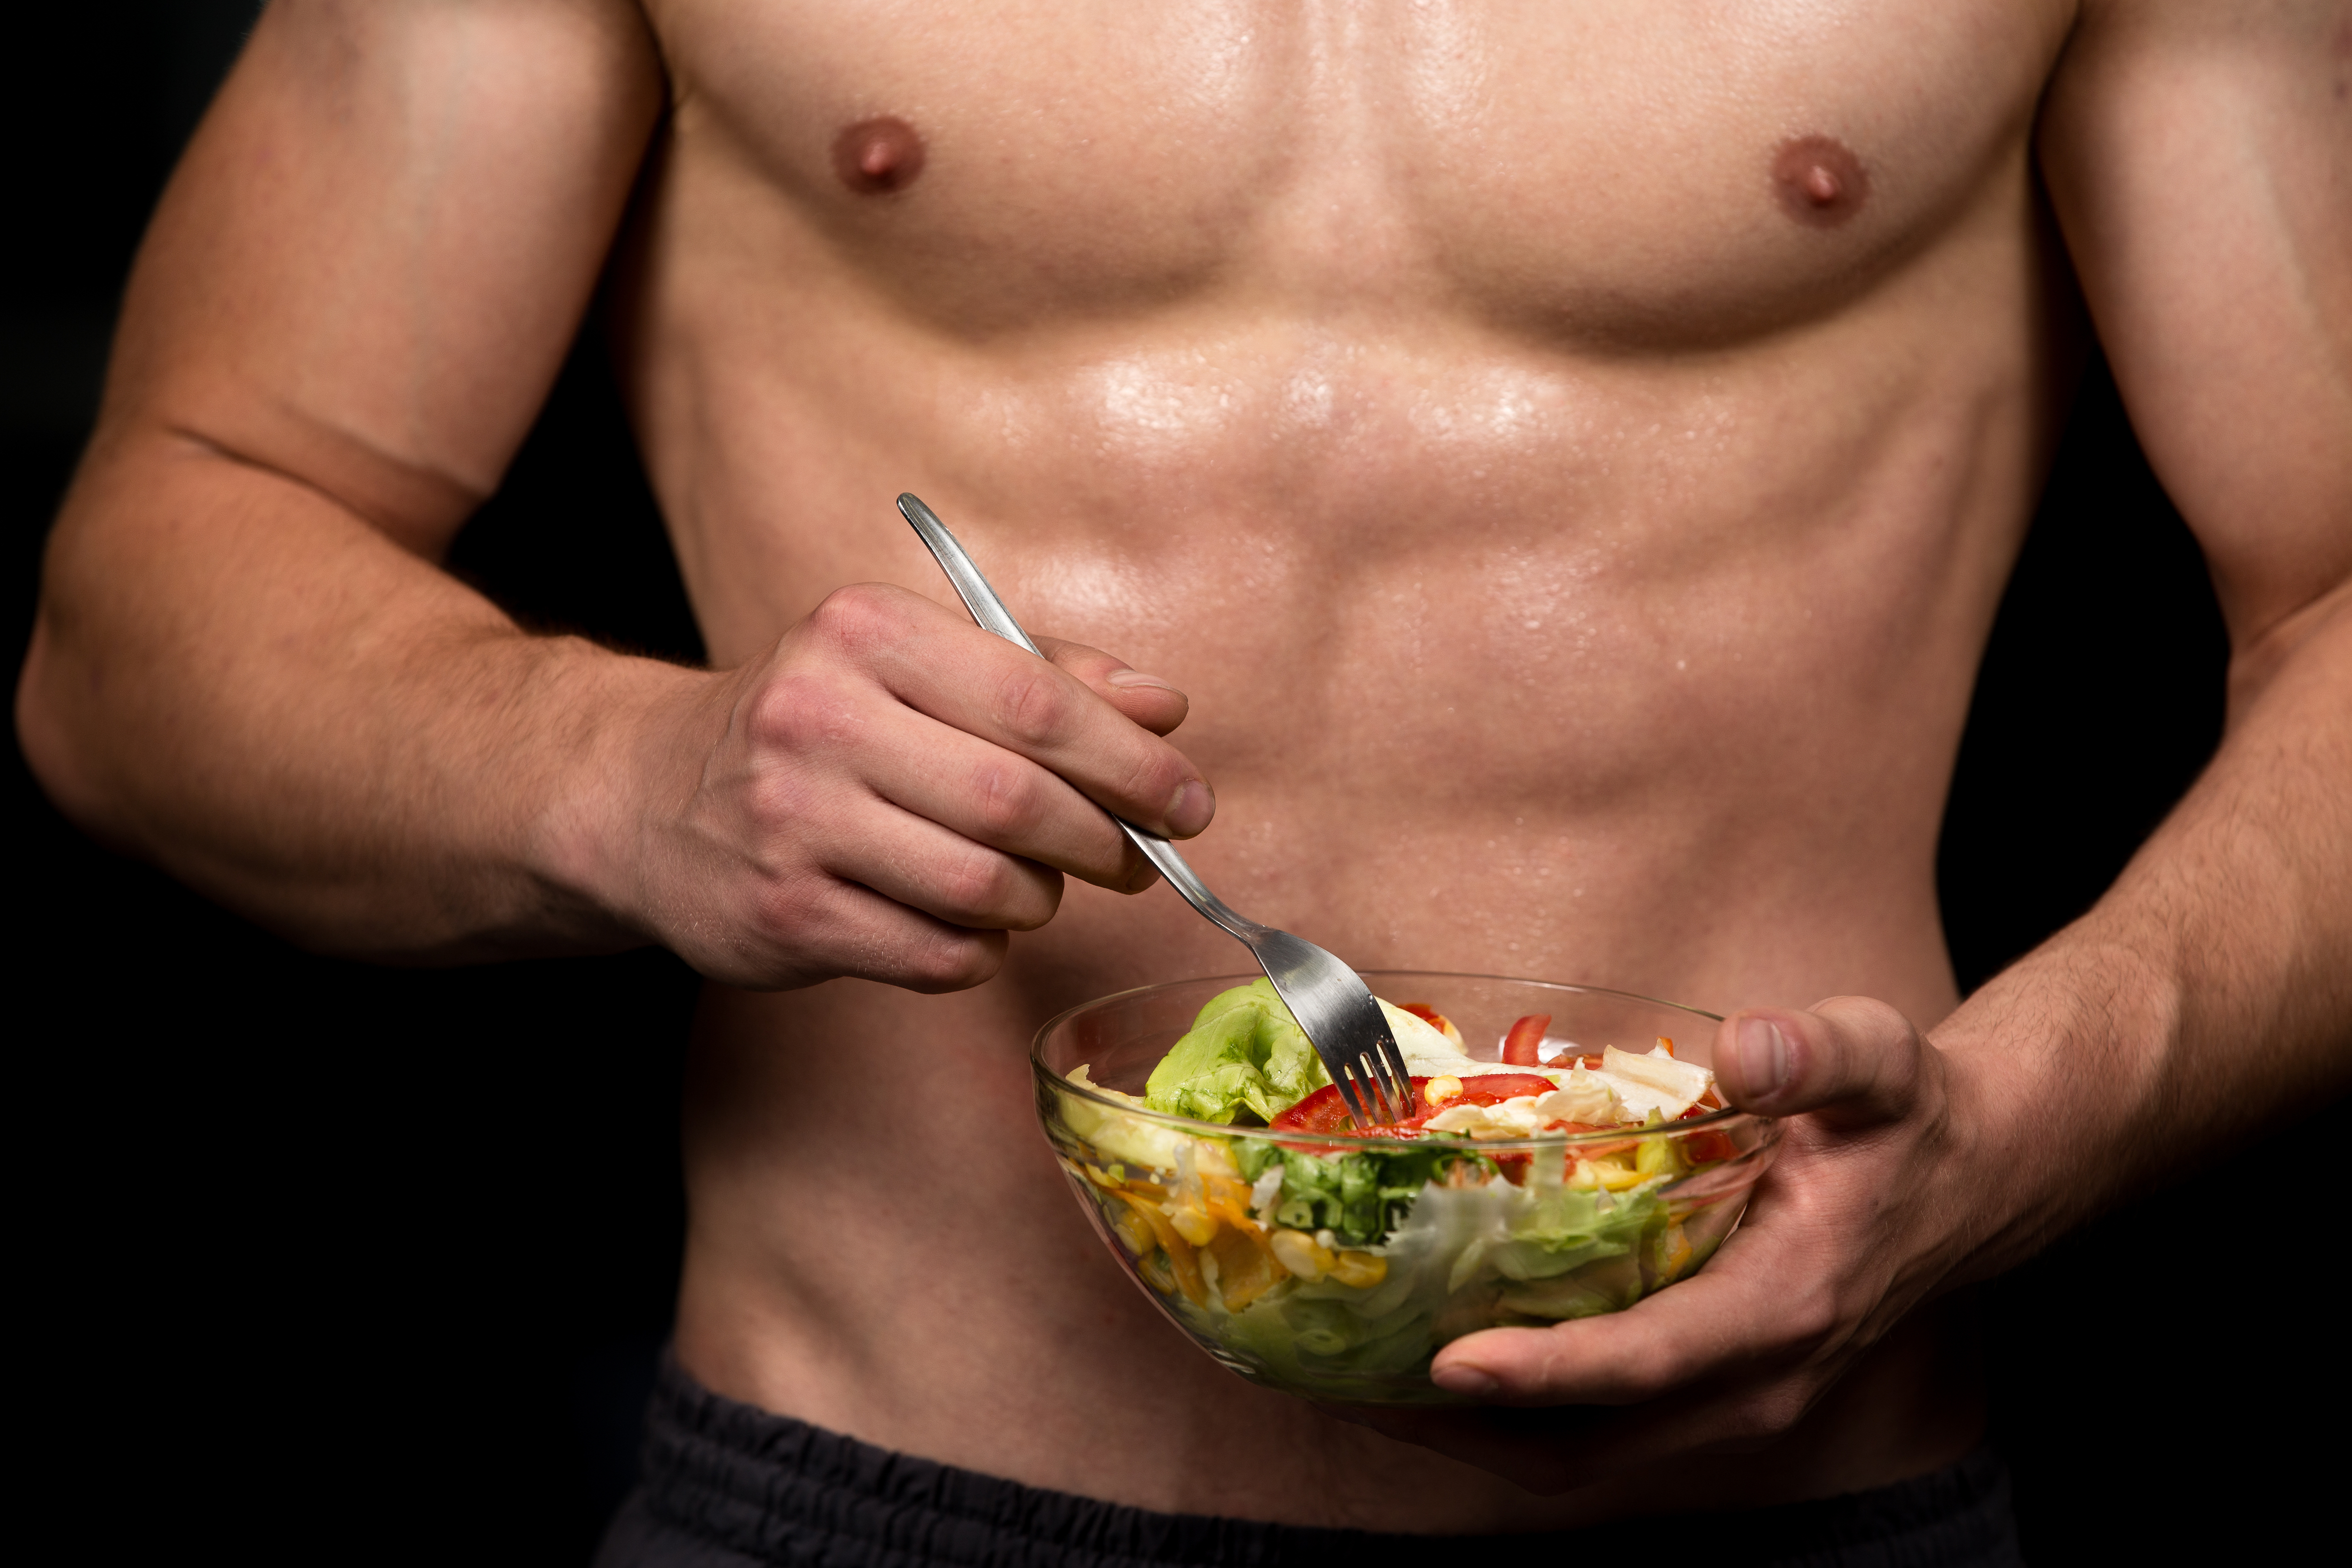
<point x="726" y="1485"/>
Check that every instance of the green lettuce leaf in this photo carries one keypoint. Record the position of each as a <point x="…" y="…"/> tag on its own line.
<point x="1360" y="1198"/>
<point x="1571" y="1228"/>
<point x="1244" y="1050"/>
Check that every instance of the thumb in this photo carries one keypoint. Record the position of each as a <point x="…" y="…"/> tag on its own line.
<point x="1853" y="1061"/>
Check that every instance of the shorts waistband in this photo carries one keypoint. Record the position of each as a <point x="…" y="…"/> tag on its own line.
<point x="725" y="1483"/>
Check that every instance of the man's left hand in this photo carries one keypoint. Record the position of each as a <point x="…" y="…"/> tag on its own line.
<point x="1860" y="1217"/>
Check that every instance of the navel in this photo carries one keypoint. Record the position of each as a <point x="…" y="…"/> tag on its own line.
<point x="1819" y="180"/>
<point x="875" y="157"/>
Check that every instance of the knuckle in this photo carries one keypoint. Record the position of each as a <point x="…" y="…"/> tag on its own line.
<point x="977" y="884"/>
<point x="1006" y="801"/>
<point x="856" y="618"/>
<point x="784" y="907"/>
<point x="1031" y="704"/>
<point x="1152" y="776"/>
<point x="798" y="712"/>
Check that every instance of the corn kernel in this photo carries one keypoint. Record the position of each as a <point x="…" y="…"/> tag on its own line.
<point x="1442" y="1088"/>
<point x="1133" y="1234"/>
<point x="1361" y="1269"/>
<point x="1193" y="1225"/>
<point x="1295" y="1250"/>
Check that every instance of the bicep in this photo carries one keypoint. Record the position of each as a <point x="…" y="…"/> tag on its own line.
<point x="366" y="270"/>
<point x="2199" y="158"/>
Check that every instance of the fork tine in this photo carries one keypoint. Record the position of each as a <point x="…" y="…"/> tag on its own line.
<point x="1401" y="1086"/>
<point x="1392" y="1106"/>
<point x="1349" y="1092"/>
<point x="1367" y="1066"/>
<point x="1390" y="1056"/>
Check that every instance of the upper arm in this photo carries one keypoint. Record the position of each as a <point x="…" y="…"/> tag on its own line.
<point x="368" y="267"/>
<point x="2199" y="158"/>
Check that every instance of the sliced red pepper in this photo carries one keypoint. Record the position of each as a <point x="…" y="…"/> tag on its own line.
<point x="1494" y="1088"/>
<point x="1521" y="1046"/>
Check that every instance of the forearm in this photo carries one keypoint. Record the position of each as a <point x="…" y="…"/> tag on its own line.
<point x="236" y="677"/>
<point x="2208" y="994"/>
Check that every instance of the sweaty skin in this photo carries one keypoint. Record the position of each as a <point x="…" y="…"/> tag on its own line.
<point x="1558" y="463"/>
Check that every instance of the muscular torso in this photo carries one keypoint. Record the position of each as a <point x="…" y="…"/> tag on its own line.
<point x="1568" y="455"/>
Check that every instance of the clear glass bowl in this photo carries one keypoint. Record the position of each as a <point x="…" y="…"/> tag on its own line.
<point x="1494" y="1232"/>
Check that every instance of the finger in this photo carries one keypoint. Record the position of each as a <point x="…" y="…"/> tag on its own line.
<point x="1851" y="1061"/>
<point x="824" y="926"/>
<point x="997" y="798"/>
<point x="1146" y="700"/>
<point x="914" y="861"/>
<point x="956" y="673"/>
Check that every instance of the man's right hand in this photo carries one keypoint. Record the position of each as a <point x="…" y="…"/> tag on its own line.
<point x="887" y="792"/>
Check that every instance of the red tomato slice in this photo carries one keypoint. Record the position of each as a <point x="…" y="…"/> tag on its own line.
<point x="1526" y="1038"/>
<point x="1421" y="1010"/>
<point x="1705" y="1148"/>
<point x="1325" y="1112"/>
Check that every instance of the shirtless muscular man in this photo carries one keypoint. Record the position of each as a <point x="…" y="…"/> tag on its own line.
<point x="1559" y="462"/>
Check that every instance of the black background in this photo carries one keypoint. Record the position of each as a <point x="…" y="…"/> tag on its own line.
<point x="330" y="1261"/>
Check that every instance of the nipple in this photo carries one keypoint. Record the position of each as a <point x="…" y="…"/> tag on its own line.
<point x="875" y="157"/>
<point x="1821" y="182"/>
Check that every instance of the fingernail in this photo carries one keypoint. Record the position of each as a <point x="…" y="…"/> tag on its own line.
<point x="1136" y="677"/>
<point x="1763" y="1057"/>
<point x="1460" y="1379"/>
<point x="1190" y="810"/>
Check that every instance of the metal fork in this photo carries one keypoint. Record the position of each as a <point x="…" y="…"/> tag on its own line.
<point x="1329" y="1000"/>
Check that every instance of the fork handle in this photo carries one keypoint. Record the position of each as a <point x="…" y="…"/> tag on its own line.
<point x="963" y="574"/>
<point x="1187" y="882"/>
<point x="989" y="610"/>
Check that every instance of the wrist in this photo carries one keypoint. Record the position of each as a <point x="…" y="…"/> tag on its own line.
<point x="633" y="742"/>
<point x="2056" y="1069"/>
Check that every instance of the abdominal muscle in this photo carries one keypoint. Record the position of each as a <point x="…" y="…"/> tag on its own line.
<point x="1504" y="655"/>
<point x="1683" y="732"/>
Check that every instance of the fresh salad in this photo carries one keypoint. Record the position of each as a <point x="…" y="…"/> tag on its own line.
<point x="1338" y="1268"/>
